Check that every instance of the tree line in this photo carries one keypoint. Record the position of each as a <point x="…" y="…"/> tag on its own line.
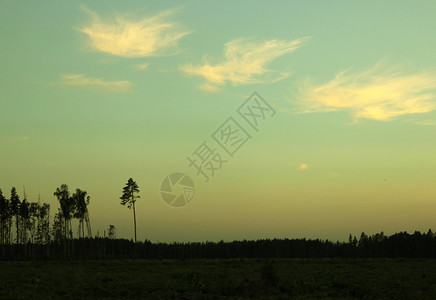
<point x="398" y="245"/>
<point x="22" y="222"/>
<point x="25" y="226"/>
<point x="25" y="233"/>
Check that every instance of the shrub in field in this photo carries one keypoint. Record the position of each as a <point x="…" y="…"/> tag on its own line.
<point x="268" y="275"/>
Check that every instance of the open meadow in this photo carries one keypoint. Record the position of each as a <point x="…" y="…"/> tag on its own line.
<point x="215" y="279"/>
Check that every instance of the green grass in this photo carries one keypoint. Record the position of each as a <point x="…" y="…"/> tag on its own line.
<point x="215" y="279"/>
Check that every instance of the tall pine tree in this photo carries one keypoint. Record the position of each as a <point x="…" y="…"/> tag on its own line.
<point x="15" y="210"/>
<point x="129" y="198"/>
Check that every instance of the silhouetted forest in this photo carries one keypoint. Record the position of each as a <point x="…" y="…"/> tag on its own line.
<point x="26" y="234"/>
<point x="417" y="245"/>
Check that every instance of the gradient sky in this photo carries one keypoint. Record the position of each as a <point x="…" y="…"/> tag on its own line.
<point x="95" y="92"/>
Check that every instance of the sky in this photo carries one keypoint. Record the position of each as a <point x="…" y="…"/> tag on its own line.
<point x="290" y="119"/>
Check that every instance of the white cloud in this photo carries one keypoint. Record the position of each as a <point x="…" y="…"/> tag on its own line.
<point x="303" y="167"/>
<point x="125" y="37"/>
<point x="244" y="63"/>
<point x="80" y="80"/>
<point x="379" y="93"/>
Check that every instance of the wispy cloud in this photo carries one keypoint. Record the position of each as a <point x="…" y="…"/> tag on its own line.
<point x="17" y="139"/>
<point x="379" y="93"/>
<point x="128" y="37"/>
<point x="303" y="167"/>
<point x="80" y="80"/>
<point x="208" y="87"/>
<point x="244" y="63"/>
<point x="426" y="122"/>
<point x="142" y="66"/>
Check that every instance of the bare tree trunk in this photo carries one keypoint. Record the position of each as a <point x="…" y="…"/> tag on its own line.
<point x="71" y="248"/>
<point x="134" y="219"/>
<point x="3" y="224"/>
<point x="83" y="229"/>
<point x="3" y="227"/>
<point x="10" y="230"/>
<point x="88" y="225"/>
<point x="18" y="227"/>
<point x="65" y="238"/>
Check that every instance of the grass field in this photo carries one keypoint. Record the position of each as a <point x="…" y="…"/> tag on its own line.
<point x="214" y="279"/>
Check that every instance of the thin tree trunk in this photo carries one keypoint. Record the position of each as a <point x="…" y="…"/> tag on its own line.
<point x="3" y="237"/>
<point x="71" y="248"/>
<point x="88" y="225"/>
<point x="18" y="227"/>
<point x="134" y="219"/>
<point x="10" y="231"/>
<point x="3" y="232"/>
<point x="65" y="238"/>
